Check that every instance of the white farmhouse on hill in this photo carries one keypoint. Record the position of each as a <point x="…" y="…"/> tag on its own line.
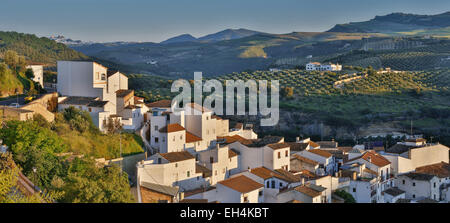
<point x="323" y="67"/>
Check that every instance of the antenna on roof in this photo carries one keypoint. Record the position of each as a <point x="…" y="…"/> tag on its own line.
<point x="411" y="128"/>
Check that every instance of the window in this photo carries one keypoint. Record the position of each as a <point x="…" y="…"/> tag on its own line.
<point x="90" y="109"/>
<point x="354" y="190"/>
<point x="268" y="184"/>
<point x="173" y="138"/>
<point x="281" y="185"/>
<point x="176" y="164"/>
<point x="273" y="183"/>
<point x="223" y="170"/>
<point x="434" y="184"/>
<point x="188" y="174"/>
<point x="403" y="181"/>
<point x="159" y="160"/>
<point x="156" y="139"/>
<point x="211" y="159"/>
<point x="198" y="178"/>
<point x="103" y="77"/>
<point x="156" y="128"/>
<point x="181" y="137"/>
<point x="245" y="199"/>
<point x="286" y="153"/>
<point x="279" y="155"/>
<point x="207" y="132"/>
<point x="414" y="196"/>
<point x="414" y="184"/>
<point x="215" y="173"/>
<point x="260" y="193"/>
<point x="164" y="139"/>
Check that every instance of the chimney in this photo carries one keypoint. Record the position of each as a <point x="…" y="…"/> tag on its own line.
<point x="354" y="176"/>
<point x="297" y="139"/>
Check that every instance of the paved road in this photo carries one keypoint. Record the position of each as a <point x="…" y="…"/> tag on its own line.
<point x="13" y="100"/>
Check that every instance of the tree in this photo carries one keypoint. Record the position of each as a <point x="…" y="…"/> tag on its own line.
<point x="11" y="58"/>
<point x="348" y="198"/>
<point x="288" y="92"/>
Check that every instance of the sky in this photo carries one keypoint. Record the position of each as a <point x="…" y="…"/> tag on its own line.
<point x="157" y="20"/>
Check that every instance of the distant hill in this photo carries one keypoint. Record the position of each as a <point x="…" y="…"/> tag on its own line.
<point x="37" y="49"/>
<point x="229" y="34"/>
<point x="179" y="39"/>
<point x="395" y="22"/>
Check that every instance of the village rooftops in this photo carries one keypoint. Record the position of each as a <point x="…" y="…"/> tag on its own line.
<point x="309" y="191"/>
<point x="191" y="137"/>
<point x="235" y="138"/>
<point x="441" y="170"/>
<point x="399" y="148"/>
<point x="321" y="153"/>
<point x="304" y="159"/>
<point x="177" y="156"/>
<point x="266" y="140"/>
<point x="418" y="176"/>
<point x="132" y="107"/>
<point x="160" y="104"/>
<point x="123" y="93"/>
<point x="328" y="144"/>
<point x="241" y="184"/>
<point x="374" y="158"/>
<point x="281" y="174"/>
<point x="174" y="127"/>
<point x="394" y="191"/>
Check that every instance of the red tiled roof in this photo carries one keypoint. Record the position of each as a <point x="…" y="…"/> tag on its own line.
<point x="320" y="152"/>
<point x="160" y="104"/>
<point x="241" y="184"/>
<point x="192" y="138"/>
<point x="177" y="156"/>
<point x="276" y="146"/>
<point x="236" y="138"/>
<point x="174" y="127"/>
<point x="304" y="159"/>
<point x="308" y="191"/>
<point x="441" y="170"/>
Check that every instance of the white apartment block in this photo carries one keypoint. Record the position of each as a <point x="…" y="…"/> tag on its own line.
<point x="103" y="93"/>
<point x="419" y="185"/>
<point x="316" y="66"/>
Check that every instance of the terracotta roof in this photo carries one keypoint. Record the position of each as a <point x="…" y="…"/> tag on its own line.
<point x="122" y="93"/>
<point x="160" y="104"/>
<point x="313" y="144"/>
<point x="266" y="173"/>
<point x="308" y="191"/>
<point x="132" y="107"/>
<point x="236" y="138"/>
<point x="304" y="159"/>
<point x="276" y="146"/>
<point x="375" y="158"/>
<point x="328" y="144"/>
<point x="241" y="184"/>
<point x="174" y="127"/>
<point x="308" y="174"/>
<point x="320" y="152"/>
<point x="177" y="156"/>
<point x="231" y="153"/>
<point x="294" y="201"/>
<point x="289" y="177"/>
<point x="192" y="138"/>
<point x="399" y="148"/>
<point x="441" y="170"/>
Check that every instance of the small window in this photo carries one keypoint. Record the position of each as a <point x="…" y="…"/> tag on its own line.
<point x="159" y="160"/>
<point x="176" y="164"/>
<point x="90" y="109"/>
<point x="279" y="155"/>
<point x="164" y="139"/>
<point x="181" y="137"/>
<point x="215" y="173"/>
<point x="156" y="139"/>
<point x="198" y="178"/>
<point x="103" y="77"/>
<point x="286" y="153"/>
<point x="156" y="128"/>
<point x="268" y="184"/>
<point x="188" y="174"/>
<point x="260" y="193"/>
<point x="354" y="190"/>
<point x="434" y="184"/>
<point x="414" y="196"/>
<point x="414" y="184"/>
<point x="173" y="138"/>
<point x="403" y="181"/>
<point x="245" y="199"/>
<point x="281" y="185"/>
<point x="223" y="170"/>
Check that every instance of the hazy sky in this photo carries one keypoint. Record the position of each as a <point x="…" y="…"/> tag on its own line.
<point x="157" y="20"/>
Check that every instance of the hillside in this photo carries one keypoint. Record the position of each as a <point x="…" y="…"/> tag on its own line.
<point x="179" y="39"/>
<point x="396" y="22"/>
<point x="42" y="50"/>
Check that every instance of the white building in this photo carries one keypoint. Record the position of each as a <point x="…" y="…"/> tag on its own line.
<point x="324" y="158"/>
<point x="419" y="185"/>
<point x="89" y="81"/>
<point x="38" y="71"/>
<point x="323" y="67"/>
